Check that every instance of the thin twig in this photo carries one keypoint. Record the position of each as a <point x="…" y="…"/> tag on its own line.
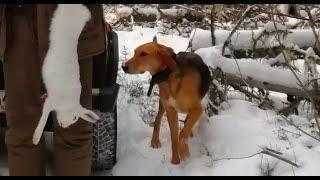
<point x="188" y="8"/>
<point x="294" y="155"/>
<point x="312" y="25"/>
<point x="279" y="157"/>
<point x="247" y="93"/>
<point x="304" y="132"/>
<point x="235" y="158"/>
<point x="298" y="79"/>
<point x="274" y="151"/>
<point x="304" y="52"/>
<point x="266" y="152"/>
<point x="190" y="41"/>
<point x="244" y="15"/>
<point x="315" y="84"/>
<point x="241" y="76"/>
<point x="286" y="15"/>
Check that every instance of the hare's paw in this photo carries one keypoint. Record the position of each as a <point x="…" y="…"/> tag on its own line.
<point x="89" y="115"/>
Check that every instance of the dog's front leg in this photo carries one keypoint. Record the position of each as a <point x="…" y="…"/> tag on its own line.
<point x="155" y="142"/>
<point x="174" y="129"/>
<point x="191" y="119"/>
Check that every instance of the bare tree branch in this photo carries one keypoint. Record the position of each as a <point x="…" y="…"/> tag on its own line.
<point x="304" y="132"/>
<point x="280" y="158"/>
<point x="285" y="15"/>
<point x="310" y="96"/>
<point x="265" y="151"/>
<point x="188" y="8"/>
<point x="244" y="15"/>
<point x="252" y="82"/>
<point x="246" y="92"/>
<point x="312" y="25"/>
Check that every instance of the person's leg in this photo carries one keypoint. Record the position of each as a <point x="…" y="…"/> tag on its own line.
<point x="73" y="145"/>
<point x="23" y="105"/>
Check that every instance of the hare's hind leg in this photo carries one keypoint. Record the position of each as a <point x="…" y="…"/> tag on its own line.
<point x="89" y="115"/>
<point x="42" y="122"/>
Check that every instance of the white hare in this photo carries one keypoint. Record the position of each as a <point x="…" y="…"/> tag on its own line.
<point x="60" y="69"/>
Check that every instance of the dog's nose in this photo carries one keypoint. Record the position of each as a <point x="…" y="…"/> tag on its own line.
<point x="125" y="68"/>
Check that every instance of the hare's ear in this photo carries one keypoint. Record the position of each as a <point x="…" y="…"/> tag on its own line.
<point x="89" y="116"/>
<point x="155" y="40"/>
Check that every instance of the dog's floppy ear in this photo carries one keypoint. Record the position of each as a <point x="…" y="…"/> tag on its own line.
<point x="155" y="40"/>
<point x="166" y="54"/>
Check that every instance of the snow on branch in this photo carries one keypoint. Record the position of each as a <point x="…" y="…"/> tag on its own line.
<point x="244" y="15"/>
<point x="242" y="39"/>
<point x="255" y="74"/>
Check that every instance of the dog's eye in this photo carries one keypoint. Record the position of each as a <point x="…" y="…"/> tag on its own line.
<point x="143" y="54"/>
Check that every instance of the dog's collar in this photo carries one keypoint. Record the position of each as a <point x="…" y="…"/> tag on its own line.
<point x="159" y="78"/>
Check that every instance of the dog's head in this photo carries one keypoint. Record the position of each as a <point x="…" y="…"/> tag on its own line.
<point x="152" y="57"/>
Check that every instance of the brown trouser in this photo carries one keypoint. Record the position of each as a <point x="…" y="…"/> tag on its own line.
<point x="73" y="145"/>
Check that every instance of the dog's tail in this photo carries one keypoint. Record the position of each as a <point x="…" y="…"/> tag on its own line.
<point x="47" y="108"/>
<point x="88" y="115"/>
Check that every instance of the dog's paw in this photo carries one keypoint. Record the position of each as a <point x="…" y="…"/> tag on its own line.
<point x="175" y="160"/>
<point x="155" y="143"/>
<point x="183" y="149"/>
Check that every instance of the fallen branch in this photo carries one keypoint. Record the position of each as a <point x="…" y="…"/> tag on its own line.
<point x="234" y="79"/>
<point x="280" y="158"/>
<point x="202" y="39"/>
<point x="246" y="92"/>
<point x="292" y="107"/>
<point x="304" y="52"/>
<point x="254" y="74"/>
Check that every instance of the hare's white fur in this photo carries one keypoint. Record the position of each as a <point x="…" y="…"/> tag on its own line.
<point x="60" y="69"/>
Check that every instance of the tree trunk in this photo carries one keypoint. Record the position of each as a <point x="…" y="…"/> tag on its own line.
<point x="213" y="38"/>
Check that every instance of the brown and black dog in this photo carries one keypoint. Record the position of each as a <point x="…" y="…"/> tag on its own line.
<point x="183" y="81"/>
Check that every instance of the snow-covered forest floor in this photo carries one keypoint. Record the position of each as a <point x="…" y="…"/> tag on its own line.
<point x="241" y="129"/>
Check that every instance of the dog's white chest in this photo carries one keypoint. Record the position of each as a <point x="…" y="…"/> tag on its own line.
<point x="172" y="103"/>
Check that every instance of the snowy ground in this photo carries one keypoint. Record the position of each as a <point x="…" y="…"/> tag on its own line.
<point x="241" y="129"/>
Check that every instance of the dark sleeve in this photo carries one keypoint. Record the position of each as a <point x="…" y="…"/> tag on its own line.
<point x="2" y="31"/>
<point x="92" y="38"/>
